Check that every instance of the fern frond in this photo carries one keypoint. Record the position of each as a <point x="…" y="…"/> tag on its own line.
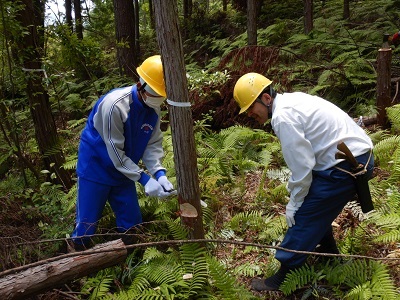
<point x="225" y="283"/>
<point x="384" y="150"/>
<point x="363" y="278"/>
<point x="393" y="114"/>
<point x="179" y="232"/>
<point x="298" y="278"/>
<point x="248" y="269"/>
<point x="194" y="263"/>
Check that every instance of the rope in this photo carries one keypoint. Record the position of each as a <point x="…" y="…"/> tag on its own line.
<point x="199" y="241"/>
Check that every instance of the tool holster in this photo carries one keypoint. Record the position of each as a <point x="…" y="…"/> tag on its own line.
<point x="364" y="195"/>
<point x="361" y="178"/>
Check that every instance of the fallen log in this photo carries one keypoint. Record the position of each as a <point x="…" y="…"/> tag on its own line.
<point x="366" y="121"/>
<point x="52" y="274"/>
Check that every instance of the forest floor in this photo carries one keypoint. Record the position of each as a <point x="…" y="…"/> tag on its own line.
<point x="19" y="225"/>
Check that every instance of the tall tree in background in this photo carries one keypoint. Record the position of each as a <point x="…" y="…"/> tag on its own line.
<point x="187" y="9"/>
<point x="251" y="22"/>
<point x="124" y="12"/>
<point x="308" y="16"/>
<point x="346" y="9"/>
<point x="137" y="33"/>
<point x="68" y="14"/>
<point x="30" y="52"/>
<point x="78" y="19"/>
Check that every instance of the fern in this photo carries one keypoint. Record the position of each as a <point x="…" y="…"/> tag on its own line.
<point x="393" y="114"/>
<point x="385" y="149"/>
<point x="194" y="264"/>
<point x="98" y="286"/>
<point x="225" y="283"/>
<point x="363" y="278"/>
<point x="244" y="221"/>
<point x="298" y="278"/>
<point x="248" y="269"/>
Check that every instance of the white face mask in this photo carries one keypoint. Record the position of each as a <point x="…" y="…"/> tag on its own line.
<point x="153" y="102"/>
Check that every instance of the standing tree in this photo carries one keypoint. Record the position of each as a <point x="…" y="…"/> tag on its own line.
<point x="68" y="14"/>
<point x="308" y="16"/>
<point x="124" y="12"/>
<point x="170" y="42"/>
<point x="346" y="9"/>
<point x="78" y="19"/>
<point x="251" y="22"/>
<point x="137" y="33"/>
<point x="30" y="52"/>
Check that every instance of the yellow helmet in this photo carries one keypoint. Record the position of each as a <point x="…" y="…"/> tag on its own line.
<point x="151" y="71"/>
<point x="248" y="88"/>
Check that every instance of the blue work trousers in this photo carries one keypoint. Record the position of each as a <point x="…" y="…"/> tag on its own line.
<point x="92" y="198"/>
<point x="330" y="191"/>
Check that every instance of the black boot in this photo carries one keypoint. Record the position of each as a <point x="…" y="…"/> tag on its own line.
<point x="271" y="283"/>
<point x="327" y="243"/>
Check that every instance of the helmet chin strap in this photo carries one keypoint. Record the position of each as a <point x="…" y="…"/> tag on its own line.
<point x="271" y="92"/>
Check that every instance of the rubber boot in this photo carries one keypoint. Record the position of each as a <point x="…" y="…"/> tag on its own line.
<point x="328" y="245"/>
<point x="271" y="283"/>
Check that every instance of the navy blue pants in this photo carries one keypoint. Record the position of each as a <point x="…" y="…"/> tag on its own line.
<point x="329" y="193"/>
<point x="92" y="198"/>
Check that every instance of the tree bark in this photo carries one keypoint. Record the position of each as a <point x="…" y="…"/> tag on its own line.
<point x="185" y="158"/>
<point x="52" y="274"/>
<point x="137" y="53"/>
<point x="308" y="16"/>
<point x="383" y="86"/>
<point x="346" y="9"/>
<point x="251" y="22"/>
<point x="224" y="5"/>
<point x="68" y="14"/>
<point x="30" y="52"/>
<point x="78" y="19"/>
<point x="125" y="33"/>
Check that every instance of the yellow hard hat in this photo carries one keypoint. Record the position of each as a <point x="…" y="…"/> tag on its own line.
<point x="151" y="71"/>
<point x="248" y="88"/>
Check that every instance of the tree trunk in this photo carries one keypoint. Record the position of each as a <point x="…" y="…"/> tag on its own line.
<point x="346" y="9"/>
<point x="125" y="33"/>
<point x="224" y="5"/>
<point x="68" y="267"/>
<point x="68" y="14"/>
<point x="78" y="19"/>
<point x="29" y="50"/>
<point x="308" y="16"/>
<point x="185" y="158"/>
<point x="383" y="85"/>
<point x="187" y="9"/>
<point x="151" y="10"/>
<point x="136" y="54"/>
<point x="251" y="22"/>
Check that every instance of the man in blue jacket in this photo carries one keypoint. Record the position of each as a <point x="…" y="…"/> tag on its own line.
<point x="309" y="129"/>
<point x="122" y="129"/>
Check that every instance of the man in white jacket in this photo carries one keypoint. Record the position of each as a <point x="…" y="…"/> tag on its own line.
<point x="309" y="129"/>
<point x="122" y="129"/>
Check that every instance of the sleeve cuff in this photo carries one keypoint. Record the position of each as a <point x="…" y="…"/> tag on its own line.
<point x="159" y="173"/>
<point x="144" y="178"/>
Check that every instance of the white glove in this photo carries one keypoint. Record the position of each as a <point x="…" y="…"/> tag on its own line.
<point x="291" y="209"/>
<point x="165" y="183"/>
<point x="154" y="189"/>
